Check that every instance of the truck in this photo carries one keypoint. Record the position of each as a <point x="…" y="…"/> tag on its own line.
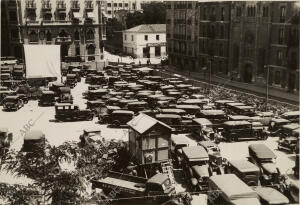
<point x="125" y="186"/>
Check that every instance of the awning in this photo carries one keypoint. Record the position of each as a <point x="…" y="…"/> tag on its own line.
<point x="90" y="15"/>
<point x="76" y="15"/>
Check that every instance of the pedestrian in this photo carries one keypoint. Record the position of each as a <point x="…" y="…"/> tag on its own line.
<point x="118" y="60"/>
<point x="140" y="63"/>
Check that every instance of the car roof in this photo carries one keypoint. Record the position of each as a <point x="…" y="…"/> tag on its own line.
<point x="123" y="112"/>
<point x="177" y="139"/>
<point x="291" y="113"/>
<point x="271" y="195"/>
<point x="238" y="117"/>
<point x="291" y="126"/>
<point x="187" y="107"/>
<point x="244" y="107"/>
<point x="212" y="112"/>
<point x="261" y="151"/>
<point x="244" y="165"/>
<point x="47" y="92"/>
<point x="269" y="167"/>
<point x="159" y="178"/>
<point x="12" y="97"/>
<point x="232" y="187"/>
<point x="235" y="123"/>
<point x="201" y="170"/>
<point x="224" y="101"/>
<point x="278" y="120"/>
<point x="167" y="116"/>
<point x="195" y="152"/>
<point x="235" y="104"/>
<point x="265" y="114"/>
<point x="202" y="121"/>
<point x="172" y="110"/>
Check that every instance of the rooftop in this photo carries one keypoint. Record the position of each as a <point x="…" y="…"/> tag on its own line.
<point x="148" y="28"/>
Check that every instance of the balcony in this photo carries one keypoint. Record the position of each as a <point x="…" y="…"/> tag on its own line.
<point x="30" y="5"/>
<point x="46" y="6"/>
<point x="89" y="6"/>
<point x="32" y="22"/>
<point x="61" y="6"/>
<point x="75" y="6"/>
<point x="63" y="40"/>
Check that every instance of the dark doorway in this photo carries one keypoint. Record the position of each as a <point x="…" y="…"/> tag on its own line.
<point x="157" y="51"/>
<point x="18" y="52"/>
<point x="292" y="81"/>
<point x="146" y="52"/>
<point x="248" y="73"/>
<point x="64" y="50"/>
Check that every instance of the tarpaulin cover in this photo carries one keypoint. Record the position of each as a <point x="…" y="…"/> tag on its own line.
<point x="42" y="61"/>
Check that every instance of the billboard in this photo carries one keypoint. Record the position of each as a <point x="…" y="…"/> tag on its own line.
<point x="42" y="61"/>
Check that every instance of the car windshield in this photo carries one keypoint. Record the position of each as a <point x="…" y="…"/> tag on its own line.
<point x="10" y="100"/>
<point x="199" y="163"/>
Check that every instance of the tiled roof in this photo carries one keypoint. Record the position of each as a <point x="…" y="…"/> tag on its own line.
<point x="148" y="28"/>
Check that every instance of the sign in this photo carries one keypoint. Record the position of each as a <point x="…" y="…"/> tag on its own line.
<point x="156" y="44"/>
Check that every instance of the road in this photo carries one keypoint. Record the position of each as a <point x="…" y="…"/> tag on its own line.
<point x="41" y="118"/>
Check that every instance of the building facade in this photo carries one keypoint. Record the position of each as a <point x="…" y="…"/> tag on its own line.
<point x="145" y="41"/>
<point x="238" y="40"/>
<point x="112" y="7"/>
<point x="77" y="25"/>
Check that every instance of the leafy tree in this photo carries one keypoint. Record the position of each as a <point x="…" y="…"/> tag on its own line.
<point x="154" y="13"/>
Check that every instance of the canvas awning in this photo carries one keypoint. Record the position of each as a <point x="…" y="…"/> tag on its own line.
<point x="76" y="15"/>
<point x="90" y="15"/>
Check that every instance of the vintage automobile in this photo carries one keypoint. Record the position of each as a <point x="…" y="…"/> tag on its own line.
<point x="215" y="158"/>
<point x="217" y="117"/>
<point x="265" y="117"/>
<point x="5" y="140"/>
<point x="115" y="116"/>
<point x="47" y="98"/>
<point x="238" y="118"/>
<point x="177" y="143"/>
<point x="276" y="124"/>
<point x="133" y="186"/>
<point x="64" y="95"/>
<point x="174" y="121"/>
<point x="245" y="170"/>
<point x="235" y="130"/>
<point x="70" y="112"/>
<point x="89" y="78"/>
<point x="34" y="141"/>
<point x="95" y="106"/>
<point x="173" y="111"/>
<point x="138" y="106"/>
<point x="190" y="109"/>
<point x="94" y="87"/>
<point x="293" y="188"/>
<point x="198" y="102"/>
<point x="8" y="60"/>
<point x="271" y="196"/>
<point x="196" y="167"/>
<point x="18" y="72"/>
<point x="202" y="129"/>
<point x="292" y="116"/>
<point x="71" y="80"/>
<point x="221" y="104"/>
<point x="243" y="110"/>
<point x="12" y="103"/>
<point x="55" y="87"/>
<point x="265" y="159"/>
<point x="288" y="144"/>
<point x="77" y="72"/>
<point x="287" y="130"/>
<point x="6" y="79"/>
<point x="96" y="94"/>
<point x="98" y="80"/>
<point x="105" y="113"/>
<point x="231" y="190"/>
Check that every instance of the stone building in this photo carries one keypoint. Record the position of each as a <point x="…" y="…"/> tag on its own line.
<point x="112" y="7"/>
<point x="77" y="25"/>
<point x="145" y="41"/>
<point x="238" y="40"/>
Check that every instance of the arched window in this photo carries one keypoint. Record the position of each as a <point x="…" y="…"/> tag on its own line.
<point x="48" y="36"/>
<point x="90" y="35"/>
<point x="76" y="36"/>
<point x="33" y="37"/>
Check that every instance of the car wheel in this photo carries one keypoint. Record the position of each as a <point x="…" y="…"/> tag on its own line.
<point x="116" y="123"/>
<point x="91" y="118"/>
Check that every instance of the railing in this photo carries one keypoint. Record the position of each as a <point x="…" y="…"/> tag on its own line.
<point x="46" y="5"/>
<point x="61" y="5"/>
<point x="30" y="5"/>
<point x="75" y="5"/>
<point x="89" y="5"/>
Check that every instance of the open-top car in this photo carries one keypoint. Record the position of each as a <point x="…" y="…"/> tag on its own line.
<point x="70" y="112"/>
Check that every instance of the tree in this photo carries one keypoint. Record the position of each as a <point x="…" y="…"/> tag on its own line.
<point x="154" y="13"/>
<point x="134" y="19"/>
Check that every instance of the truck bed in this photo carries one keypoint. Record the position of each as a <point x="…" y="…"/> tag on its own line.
<point x="135" y="186"/>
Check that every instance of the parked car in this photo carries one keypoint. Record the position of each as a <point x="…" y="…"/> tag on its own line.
<point x="202" y="129"/>
<point x="12" y="103"/>
<point x="71" y="80"/>
<point x="23" y="97"/>
<point x="288" y="144"/>
<point x="8" y="60"/>
<point x="64" y="95"/>
<point x="47" y="98"/>
<point x="177" y="143"/>
<point x="287" y="130"/>
<point x="120" y="117"/>
<point x="18" y="72"/>
<point x="70" y="112"/>
<point x="271" y="196"/>
<point x="276" y="124"/>
<point x="245" y="170"/>
<point x="292" y="116"/>
<point x="236" y="130"/>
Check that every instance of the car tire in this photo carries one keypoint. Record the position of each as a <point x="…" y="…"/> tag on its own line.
<point x="116" y="123"/>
